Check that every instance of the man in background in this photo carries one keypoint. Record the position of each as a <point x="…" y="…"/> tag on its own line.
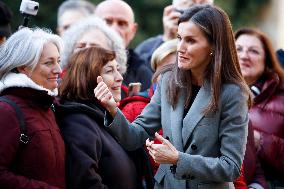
<point x="119" y="16"/>
<point x="71" y="11"/>
<point x="170" y="23"/>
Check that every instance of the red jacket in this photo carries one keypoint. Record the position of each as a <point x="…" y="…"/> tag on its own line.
<point x="132" y="106"/>
<point x="39" y="164"/>
<point x="267" y="117"/>
<point x="239" y="183"/>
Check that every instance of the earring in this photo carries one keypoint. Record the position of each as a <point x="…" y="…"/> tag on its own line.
<point x="211" y="54"/>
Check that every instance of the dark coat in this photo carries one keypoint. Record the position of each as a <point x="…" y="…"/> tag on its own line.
<point x="280" y="56"/>
<point x="137" y="71"/>
<point x="94" y="158"/>
<point x="147" y="47"/>
<point x="267" y="117"/>
<point x="39" y="164"/>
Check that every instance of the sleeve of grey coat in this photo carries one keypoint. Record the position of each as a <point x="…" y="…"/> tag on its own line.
<point x="132" y="136"/>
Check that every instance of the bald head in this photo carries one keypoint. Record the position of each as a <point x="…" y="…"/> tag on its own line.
<point x="118" y="15"/>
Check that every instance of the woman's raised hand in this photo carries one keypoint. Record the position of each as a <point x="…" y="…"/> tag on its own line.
<point x="103" y="94"/>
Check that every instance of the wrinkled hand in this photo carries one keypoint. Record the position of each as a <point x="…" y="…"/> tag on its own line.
<point x="164" y="153"/>
<point x="103" y="94"/>
<point x="170" y="22"/>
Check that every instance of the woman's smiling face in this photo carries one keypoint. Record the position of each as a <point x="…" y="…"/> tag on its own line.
<point x="112" y="78"/>
<point x="47" y="70"/>
<point x="251" y="57"/>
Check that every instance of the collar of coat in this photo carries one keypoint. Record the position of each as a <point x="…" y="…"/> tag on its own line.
<point x="22" y="80"/>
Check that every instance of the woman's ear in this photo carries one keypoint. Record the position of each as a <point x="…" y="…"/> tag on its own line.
<point x="212" y="52"/>
<point x="22" y="69"/>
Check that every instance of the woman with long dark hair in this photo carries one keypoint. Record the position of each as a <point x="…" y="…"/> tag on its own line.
<point x="201" y="105"/>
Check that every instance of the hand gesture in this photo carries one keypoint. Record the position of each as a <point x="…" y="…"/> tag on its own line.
<point x="170" y="22"/>
<point x="164" y="153"/>
<point x="103" y="94"/>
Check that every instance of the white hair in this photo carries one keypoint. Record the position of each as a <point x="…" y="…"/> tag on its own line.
<point x="75" y="32"/>
<point x="82" y="6"/>
<point x="24" y="48"/>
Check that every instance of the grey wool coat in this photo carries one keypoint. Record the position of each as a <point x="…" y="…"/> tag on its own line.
<point x="211" y="147"/>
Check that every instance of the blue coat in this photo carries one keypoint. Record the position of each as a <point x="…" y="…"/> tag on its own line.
<point x="211" y="147"/>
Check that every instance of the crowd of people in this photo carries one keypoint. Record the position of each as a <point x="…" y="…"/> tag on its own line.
<point x="198" y="106"/>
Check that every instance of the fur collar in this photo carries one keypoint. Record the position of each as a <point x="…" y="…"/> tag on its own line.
<point x="22" y="80"/>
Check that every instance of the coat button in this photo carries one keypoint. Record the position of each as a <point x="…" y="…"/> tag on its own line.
<point x="193" y="147"/>
<point x="173" y="169"/>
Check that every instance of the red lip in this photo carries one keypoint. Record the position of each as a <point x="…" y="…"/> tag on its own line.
<point x="53" y="78"/>
<point x="116" y="88"/>
<point x="182" y="58"/>
<point x="247" y="65"/>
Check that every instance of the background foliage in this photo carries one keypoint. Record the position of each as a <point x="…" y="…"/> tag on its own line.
<point x="148" y="14"/>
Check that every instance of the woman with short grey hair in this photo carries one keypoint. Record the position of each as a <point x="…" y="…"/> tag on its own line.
<point x="27" y="48"/>
<point x="32" y="151"/>
<point x="98" y="34"/>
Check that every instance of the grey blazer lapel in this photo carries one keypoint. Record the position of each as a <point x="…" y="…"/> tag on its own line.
<point x="195" y="112"/>
<point x="176" y="122"/>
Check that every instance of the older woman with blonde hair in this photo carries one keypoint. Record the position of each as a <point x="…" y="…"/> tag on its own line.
<point x="163" y="55"/>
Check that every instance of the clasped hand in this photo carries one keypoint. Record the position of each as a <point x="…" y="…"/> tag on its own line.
<point x="164" y="153"/>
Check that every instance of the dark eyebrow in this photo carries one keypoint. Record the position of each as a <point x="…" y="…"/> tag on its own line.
<point x="109" y="66"/>
<point x="51" y="58"/>
<point x="189" y="36"/>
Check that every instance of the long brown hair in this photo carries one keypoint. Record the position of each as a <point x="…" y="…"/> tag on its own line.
<point x="271" y="62"/>
<point x="82" y="71"/>
<point x="224" y="66"/>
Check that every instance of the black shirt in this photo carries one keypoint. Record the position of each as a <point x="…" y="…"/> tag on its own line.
<point x="195" y="90"/>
